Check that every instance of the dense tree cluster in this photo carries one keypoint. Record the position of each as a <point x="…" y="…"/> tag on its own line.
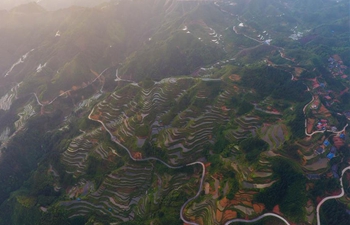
<point x="289" y="192"/>
<point x="334" y="213"/>
<point x="297" y="124"/>
<point x="252" y="147"/>
<point x="269" y="81"/>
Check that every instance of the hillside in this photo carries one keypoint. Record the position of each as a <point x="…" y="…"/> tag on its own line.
<point x="175" y="112"/>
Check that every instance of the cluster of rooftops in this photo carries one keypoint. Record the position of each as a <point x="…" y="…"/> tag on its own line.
<point x="333" y="149"/>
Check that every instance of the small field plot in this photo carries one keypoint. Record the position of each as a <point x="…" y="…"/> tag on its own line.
<point x="274" y="135"/>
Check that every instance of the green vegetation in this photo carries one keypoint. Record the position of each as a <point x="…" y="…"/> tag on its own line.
<point x="154" y="151"/>
<point x="293" y="151"/>
<point x="244" y="108"/>
<point x="277" y="83"/>
<point x="233" y="183"/>
<point x="182" y="82"/>
<point x="289" y="192"/>
<point x="333" y="212"/>
<point x="142" y="131"/>
<point x="253" y="147"/>
<point x="329" y="185"/>
<point x="177" y="55"/>
<point x="24" y="152"/>
<point x="297" y="124"/>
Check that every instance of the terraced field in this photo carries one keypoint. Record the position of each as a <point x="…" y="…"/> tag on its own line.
<point x="258" y="176"/>
<point x="247" y="125"/>
<point x="135" y="114"/>
<point x="76" y="155"/>
<point x="116" y="196"/>
<point x="7" y="99"/>
<point x="273" y="135"/>
<point x="167" y="115"/>
<point x="178" y="117"/>
<point x="190" y="149"/>
<point x="211" y="211"/>
<point x="203" y="211"/>
<point x="124" y="193"/>
<point x="87" y="102"/>
<point x="5" y="134"/>
<point x="27" y="112"/>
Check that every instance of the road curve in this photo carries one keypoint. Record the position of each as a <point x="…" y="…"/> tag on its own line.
<point x="178" y="167"/>
<point x="198" y="193"/>
<point x="332" y="197"/>
<point x="37" y="99"/>
<point x="307" y="134"/>
<point x="319" y="131"/>
<point x="258" y="218"/>
<point x="127" y="150"/>
<point x="113" y="138"/>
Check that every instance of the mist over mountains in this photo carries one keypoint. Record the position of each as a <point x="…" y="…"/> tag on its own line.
<point x="51" y="4"/>
<point x="170" y="112"/>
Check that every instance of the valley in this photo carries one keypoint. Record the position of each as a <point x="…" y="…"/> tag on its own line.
<point x="192" y="112"/>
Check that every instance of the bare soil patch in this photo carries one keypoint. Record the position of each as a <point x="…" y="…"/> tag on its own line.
<point x="298" y="71"/>
<point x="310" y="125"/>
<point x="324" y="111"/>
<point x="235" y="77"/>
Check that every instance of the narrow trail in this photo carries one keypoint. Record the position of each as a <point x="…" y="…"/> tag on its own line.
<point x="246" y="49"/>
<point x="265" y="111"/>
<point x="283" y="55"/>
<point x="120" y="79"/>
<point x="66" y="92"/>
<point x="235" y="30"/>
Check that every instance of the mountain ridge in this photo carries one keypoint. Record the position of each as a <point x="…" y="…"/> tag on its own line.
<point x="133" y="112"/>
